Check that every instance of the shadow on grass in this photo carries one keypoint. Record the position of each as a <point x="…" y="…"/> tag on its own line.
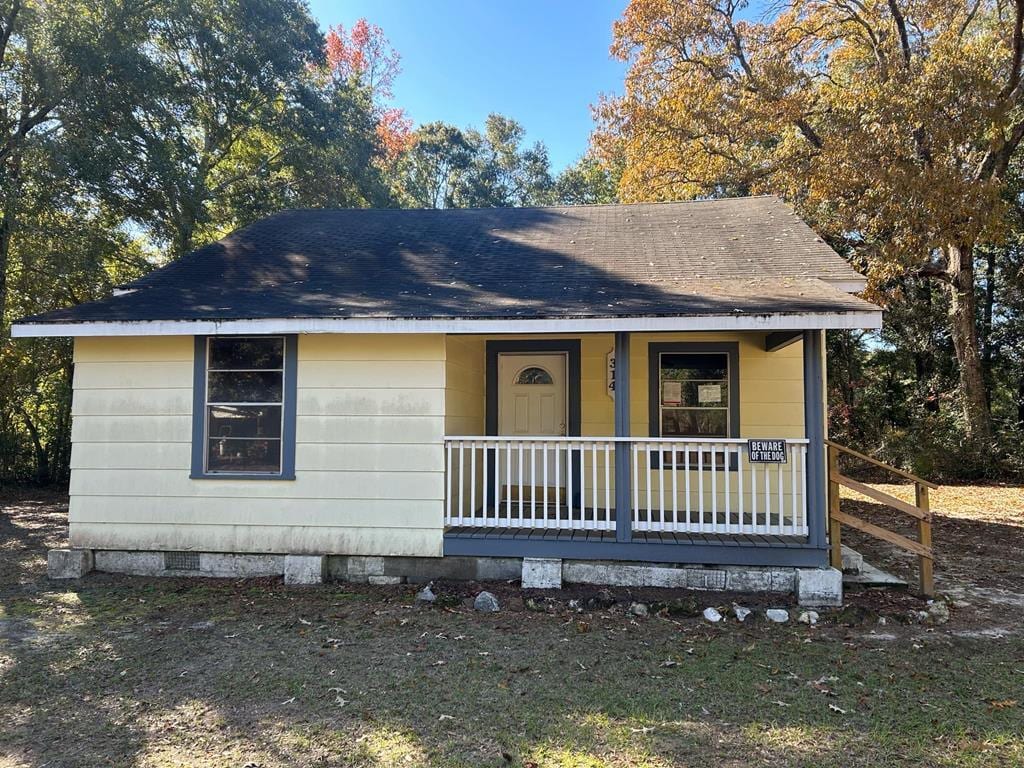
<point x="125" y="671"/>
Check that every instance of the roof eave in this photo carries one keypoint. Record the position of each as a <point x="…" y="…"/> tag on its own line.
<point x="739" y="321"/>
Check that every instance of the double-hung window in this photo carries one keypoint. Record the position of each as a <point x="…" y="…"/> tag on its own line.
<point x="244" y="420"/>
<point x="694" y="393"/>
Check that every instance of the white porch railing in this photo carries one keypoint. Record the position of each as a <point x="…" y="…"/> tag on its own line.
<point x="682" y="485"/>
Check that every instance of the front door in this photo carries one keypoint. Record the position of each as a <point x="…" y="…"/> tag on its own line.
<point x="532" y="403"/>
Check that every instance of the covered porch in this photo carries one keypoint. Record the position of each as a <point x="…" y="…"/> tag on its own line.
<point x="745" y="484"/>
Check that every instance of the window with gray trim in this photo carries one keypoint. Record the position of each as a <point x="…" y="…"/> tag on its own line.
<point x="243" y="424"/>
<point x="693" y="393"/>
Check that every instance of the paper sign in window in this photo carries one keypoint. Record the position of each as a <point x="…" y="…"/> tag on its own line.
<point x="709" y="393"/>
<point x="671" y="392"/>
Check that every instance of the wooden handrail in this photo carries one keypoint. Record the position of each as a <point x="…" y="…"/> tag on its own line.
<point x="877" y="463"/>
<point x="920" y="510"/>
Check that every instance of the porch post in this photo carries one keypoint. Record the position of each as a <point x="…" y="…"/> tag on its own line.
<point x="814" y="426"/>
<point x="623" y="450"/>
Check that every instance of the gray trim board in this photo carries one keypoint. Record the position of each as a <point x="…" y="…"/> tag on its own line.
<point x="623" y="451"/>
<point x="291" y="360"/>
<point x="814" y="425"/>
<point x="798" y="556"/>
<point x="781" y="339"/>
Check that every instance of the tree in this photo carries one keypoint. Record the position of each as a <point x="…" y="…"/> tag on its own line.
<point x="586" y="182"/>
<point x="427" y="173"/>
<point x="503" y="173"/>
<point x="363" y="56"/>
<point x="212" y="108"/>
<point x="890" y="125"/>
<point x="55" y="58"/>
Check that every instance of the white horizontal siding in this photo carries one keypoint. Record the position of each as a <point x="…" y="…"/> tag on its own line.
<point x="396" y="457"/>
<point x="369" y="455"/>
<point x="296" y="539"/>
<point x="308" y="484"/>
<point x="394" y="514"/>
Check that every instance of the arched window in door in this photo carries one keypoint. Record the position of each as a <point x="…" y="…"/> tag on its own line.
<point x="534" y="375"/>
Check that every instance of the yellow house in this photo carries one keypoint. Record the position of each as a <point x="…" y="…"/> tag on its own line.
<point x="639" y="383"/>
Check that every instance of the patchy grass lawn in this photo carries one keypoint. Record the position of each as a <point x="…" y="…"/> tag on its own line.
<point x="128" y="671"/>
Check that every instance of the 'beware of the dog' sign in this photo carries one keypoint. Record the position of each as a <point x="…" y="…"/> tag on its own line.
<point x="766" y="451"/>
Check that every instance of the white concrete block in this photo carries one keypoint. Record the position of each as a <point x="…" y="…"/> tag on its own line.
<point x="669" y="578"/>
<point x="819" y="586"/>
<point x="68" y="563"/>
<point x="131" y="563"/>
<point x="385" y="581"/>
<point x="304" y="569"/>
<point x="705" y="578"/>
<point x="741" y="578"/>
<point x="223" y="565"/>
<point x="542" y="573"/>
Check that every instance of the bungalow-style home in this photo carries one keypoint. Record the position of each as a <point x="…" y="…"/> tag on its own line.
<point x="561" y="392"/>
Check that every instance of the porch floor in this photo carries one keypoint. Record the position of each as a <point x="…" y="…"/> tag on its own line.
<point x="639" y="537"/>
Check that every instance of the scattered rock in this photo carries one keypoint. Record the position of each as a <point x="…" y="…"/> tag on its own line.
<point x="917" y="617"/>
<point x="882" y="621"/>
<point x="603" y="599"/>
<point x="777" y="615"/>
<point x="959" y="604"/>
<point x="638" y="609"/>
<point x="938" y="613"/>
<point x="202" y="626"/>
<point x="712" y="615"/>
<point x="684" y="606"/>
<point x="808" y="617"/>
<point x="426" y="595"/>
<point x="740" y="612"/>
<point x="574" y="605"/>
<point x="532" y="604"/>
<point x="486" y="602"/>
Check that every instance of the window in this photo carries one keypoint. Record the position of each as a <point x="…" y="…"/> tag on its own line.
<point x="245" y="407"/>
<point x="534" y="375"/>
<point x="694" y="392"/>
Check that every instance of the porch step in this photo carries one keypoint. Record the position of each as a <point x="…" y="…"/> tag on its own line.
<point x="870" y="576"/>
<point x="853" y="561"/>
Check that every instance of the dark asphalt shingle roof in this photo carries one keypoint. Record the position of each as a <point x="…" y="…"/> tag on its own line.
<point x="690" y="258"/>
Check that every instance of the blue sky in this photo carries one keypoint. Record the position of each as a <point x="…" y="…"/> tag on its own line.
<point x="541" y="62"/>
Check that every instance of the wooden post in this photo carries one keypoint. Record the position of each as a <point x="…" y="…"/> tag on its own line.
<point x="924" y="533"/>
<point x="834" y="526"/>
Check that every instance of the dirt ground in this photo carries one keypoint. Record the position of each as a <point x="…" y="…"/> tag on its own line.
<point x="193" y="672"/>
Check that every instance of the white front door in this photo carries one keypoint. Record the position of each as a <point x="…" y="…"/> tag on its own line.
<point x="532" y="403"/>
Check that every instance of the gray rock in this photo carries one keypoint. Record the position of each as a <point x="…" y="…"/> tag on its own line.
<point x="712" y="615"/>
<point x="574" y="605"/>
<point x="486" y="602"/>
<point x="741" y="613"/>
<point x="938" y="613"/>
<point x="778" y="615"/>
<point x="426" y="595"/>
<point x="808" y="617"/>
<point x="638" y="609"/>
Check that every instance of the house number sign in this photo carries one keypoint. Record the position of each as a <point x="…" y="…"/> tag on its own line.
<point x="610" y="373"/>
<point x="766" y="451"/>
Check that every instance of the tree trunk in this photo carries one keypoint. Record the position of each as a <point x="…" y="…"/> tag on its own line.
<point x="964" y="329"/>
<point x="1020" y="401"/>
<point x="42" y="474"/>
<point x="987" y="347"/>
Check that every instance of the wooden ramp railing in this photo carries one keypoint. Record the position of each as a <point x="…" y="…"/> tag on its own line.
<point x="919" y="510"/>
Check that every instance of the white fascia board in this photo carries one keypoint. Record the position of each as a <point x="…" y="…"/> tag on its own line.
<point x="738" y="322"/>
